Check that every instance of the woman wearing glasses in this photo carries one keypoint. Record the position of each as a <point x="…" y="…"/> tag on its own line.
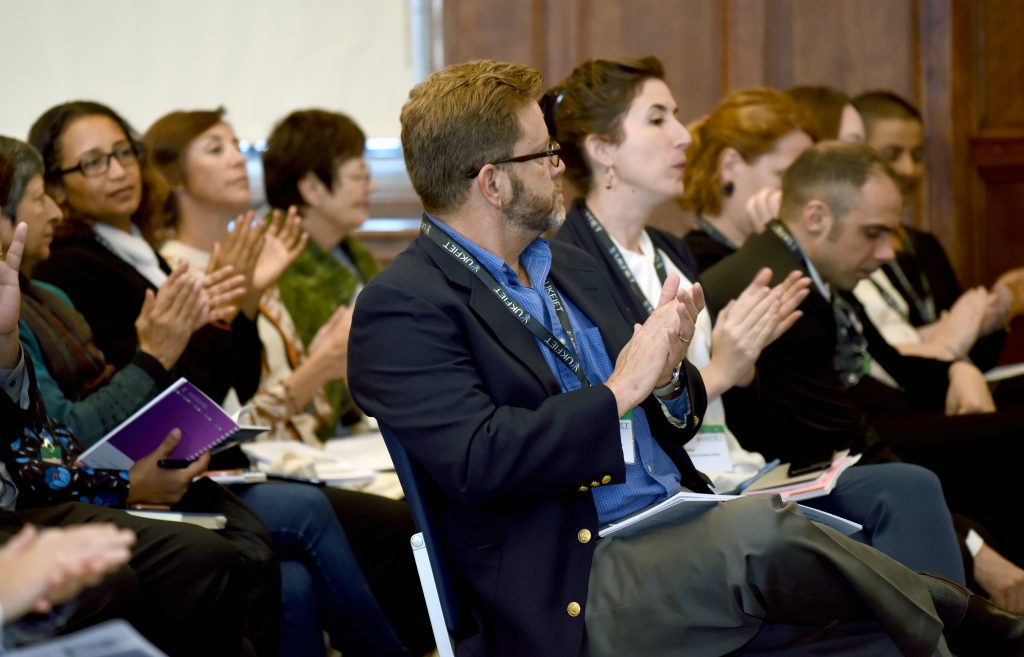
<point x="105" y="271"/>
<point x="315" y="162"/>
<point x="623" y="145"/>
<point x="102" y="258"/>
<point x="197" y="153"/>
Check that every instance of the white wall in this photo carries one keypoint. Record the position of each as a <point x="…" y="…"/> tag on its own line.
<point x="259" y="58"/>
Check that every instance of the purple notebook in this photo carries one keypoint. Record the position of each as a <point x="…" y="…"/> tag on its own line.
<point x="203" y="426"/>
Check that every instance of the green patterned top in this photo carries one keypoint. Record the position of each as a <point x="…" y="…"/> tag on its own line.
<point x="312" y="289"/>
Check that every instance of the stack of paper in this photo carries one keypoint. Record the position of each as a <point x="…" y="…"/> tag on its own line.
<point x="684" y="504"/>
<point x="795" y="489"/>
<point x="207" y="520"/>
<point x="362" y="451"/>
<point x="292" y="458"/>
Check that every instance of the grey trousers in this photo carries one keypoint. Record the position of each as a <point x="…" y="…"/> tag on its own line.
<point x="705" y="584"/>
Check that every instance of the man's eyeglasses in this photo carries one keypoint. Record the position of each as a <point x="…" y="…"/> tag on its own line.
<point x="551" y="152"/>
<point x="97" y="164"/>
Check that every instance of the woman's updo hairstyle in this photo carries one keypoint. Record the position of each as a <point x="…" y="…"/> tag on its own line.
<point x="592" y="101"/>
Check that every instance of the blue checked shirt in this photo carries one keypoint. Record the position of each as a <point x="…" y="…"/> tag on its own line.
<point x="653" y="476"/>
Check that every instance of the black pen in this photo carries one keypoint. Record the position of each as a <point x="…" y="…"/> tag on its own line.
<point x="173" y="464"/>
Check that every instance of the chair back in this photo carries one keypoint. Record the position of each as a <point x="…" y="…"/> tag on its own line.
<point x="442" y="639"/>
<point x="418" y="489"/>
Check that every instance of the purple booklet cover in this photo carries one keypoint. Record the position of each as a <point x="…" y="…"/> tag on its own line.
<point x="202" y="422"/>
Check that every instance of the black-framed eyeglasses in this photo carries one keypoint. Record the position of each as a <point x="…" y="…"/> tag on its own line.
<point x="97" y="164"/>
<point x="551" y="152"/>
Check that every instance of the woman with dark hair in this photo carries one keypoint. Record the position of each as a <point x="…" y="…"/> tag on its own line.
<point x="96" y="171"/>
<point x="197" y="154"/>
<point x="623" y="145"/>
<point x="79" y="387"/>
<point x="315" y="162"/>
<point x="831" y="113"/>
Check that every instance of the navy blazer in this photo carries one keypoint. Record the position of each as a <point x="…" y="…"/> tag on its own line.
<point x="511" y="458"/>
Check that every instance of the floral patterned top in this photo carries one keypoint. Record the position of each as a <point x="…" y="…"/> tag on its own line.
<point x="42" y="462"/>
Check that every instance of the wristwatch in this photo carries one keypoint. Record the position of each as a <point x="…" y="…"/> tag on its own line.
<point x="672" y="387"/>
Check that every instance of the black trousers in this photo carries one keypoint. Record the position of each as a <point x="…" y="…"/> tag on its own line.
<point x="181" y="589"/>
<point x="977" y="458"/>
<point x="260" y="574"/>
<point x="378" y="530"/>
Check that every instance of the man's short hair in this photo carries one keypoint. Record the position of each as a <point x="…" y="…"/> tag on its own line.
<point x="832" y="172"/>
<point x="25" y="162"/>
<point x="307" y="141"/>
<point x="459" y="119"/>
<point x="878" y="105"/>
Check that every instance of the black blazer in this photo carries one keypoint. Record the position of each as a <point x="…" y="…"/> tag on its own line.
<point x="109" y="293"/>
<point x="576" y="231"/>
<point x="511" y="459"/>
<point x="707" y="251"/>
<point x="804" y="410"/>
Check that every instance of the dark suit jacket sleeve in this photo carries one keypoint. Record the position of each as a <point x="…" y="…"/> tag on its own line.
<point x="432" y="373"/>
<point x="803" y="411"/>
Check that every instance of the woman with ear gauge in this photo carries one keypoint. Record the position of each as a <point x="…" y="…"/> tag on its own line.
<point x="625" y="149"/>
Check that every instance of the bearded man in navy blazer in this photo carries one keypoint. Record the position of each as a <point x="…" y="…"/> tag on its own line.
<point x="538" y="415"/>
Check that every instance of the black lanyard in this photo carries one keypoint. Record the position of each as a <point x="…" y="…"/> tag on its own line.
<point x="924" y="303"/>
<point x="851" y="359"/>
<point x="890" y="300"/>
<point x="714" y="233"/>
<point x="564" y="353"/>
<point x="620" y="262"/>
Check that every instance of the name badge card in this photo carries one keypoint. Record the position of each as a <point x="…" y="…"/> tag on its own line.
<point x="626" y="437"/>
<point x="709" y="449"/>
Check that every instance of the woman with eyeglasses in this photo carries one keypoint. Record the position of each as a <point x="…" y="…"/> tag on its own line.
<point x="625" y="149"/>
<point x="102" y="259"/>
<point x="315" y="162"/>
<point x="197" y="154"/>
<point x="123" y="197"/>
